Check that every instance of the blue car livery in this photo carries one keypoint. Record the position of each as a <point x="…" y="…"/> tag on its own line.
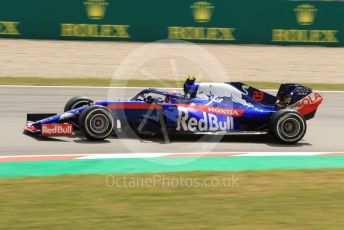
<point x="202" y="108"/>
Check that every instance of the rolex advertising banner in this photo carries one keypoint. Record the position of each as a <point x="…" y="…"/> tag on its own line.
<point x="277" y="22"/>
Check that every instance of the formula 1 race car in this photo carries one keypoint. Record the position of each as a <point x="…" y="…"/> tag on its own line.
<point x="203" y="108"/>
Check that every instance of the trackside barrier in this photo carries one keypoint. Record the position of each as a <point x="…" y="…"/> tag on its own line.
<point x="275" y="22"/>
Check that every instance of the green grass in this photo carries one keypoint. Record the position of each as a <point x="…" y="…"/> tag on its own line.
<point x="277" y="199"/>
<point x="89" y="81"/>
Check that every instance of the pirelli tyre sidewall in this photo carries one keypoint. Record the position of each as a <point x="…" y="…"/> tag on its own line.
<point x="96" y="122"/>
<point x="77" y="102"/>
<point x="288" y="126"/>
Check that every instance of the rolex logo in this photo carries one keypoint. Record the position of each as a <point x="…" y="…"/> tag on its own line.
<point x="96" y="9"/>
<point x="305" y="14"/>
<point x="202" y="11"/>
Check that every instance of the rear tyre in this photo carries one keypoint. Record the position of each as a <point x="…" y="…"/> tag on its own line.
<point x="288" y="126"/>
<point x="77" y="102"/>
<point x="96" y="122"/>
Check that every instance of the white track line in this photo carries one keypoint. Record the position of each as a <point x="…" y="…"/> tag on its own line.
<point x="123" y="155"/>
<point x="160" y="155"/>
<point x="263" y="154"/>
<point x="197" y="154"/>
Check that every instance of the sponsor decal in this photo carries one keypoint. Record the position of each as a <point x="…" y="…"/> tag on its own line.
<point x="258" y="95"/>
<point x="305" y="16"/>
<point x="309" y="100"/>
<point x="96" y="10"/>
<point x="225" y="111"/>
<point x="57" y="129"/>
<point x="293" y="35"/>
<point x="307" y="104"/>
<point x="94" y="30"/>
<point x="215" y="110"/>
<point x="202" y="12"/>
<point x="245" y="89"/>
<point x="9" y="28"/>
<point x="302" y="90"/>
<point x="201" y="33"/>
<point x="209" y="122"/>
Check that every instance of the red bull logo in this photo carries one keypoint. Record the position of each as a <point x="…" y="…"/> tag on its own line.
<point x="209" y="122"/>
<point x="57" y="130"/>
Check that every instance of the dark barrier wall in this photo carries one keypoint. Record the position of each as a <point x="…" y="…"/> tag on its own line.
<point x="217" y="21"/>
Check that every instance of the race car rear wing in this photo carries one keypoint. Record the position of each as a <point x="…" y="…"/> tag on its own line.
<point x="308" y="105"/>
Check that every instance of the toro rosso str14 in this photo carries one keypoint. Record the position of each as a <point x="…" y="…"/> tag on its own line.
<point x="203" y="108"/>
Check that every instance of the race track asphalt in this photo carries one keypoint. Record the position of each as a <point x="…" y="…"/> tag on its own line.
<point x="325" y="133"/>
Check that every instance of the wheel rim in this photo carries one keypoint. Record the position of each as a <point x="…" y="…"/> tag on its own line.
<point x="290" y="127"/>
<point x="99" y="123"/>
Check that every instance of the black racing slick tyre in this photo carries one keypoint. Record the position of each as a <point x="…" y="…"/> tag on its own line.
<point x="96" y="122"/>
<point x="77" y="102"/>
<point x="288" y="126"/>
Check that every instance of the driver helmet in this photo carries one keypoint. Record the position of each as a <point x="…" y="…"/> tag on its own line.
<point x="170" y="95"/>
<point x="189" y="81"/>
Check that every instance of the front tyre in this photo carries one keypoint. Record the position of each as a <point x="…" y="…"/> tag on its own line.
<point x="288" y="126"/>
<point x="77" y="102"/>
<point x="96" y="122"/>
<point x="74" y="103"/>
